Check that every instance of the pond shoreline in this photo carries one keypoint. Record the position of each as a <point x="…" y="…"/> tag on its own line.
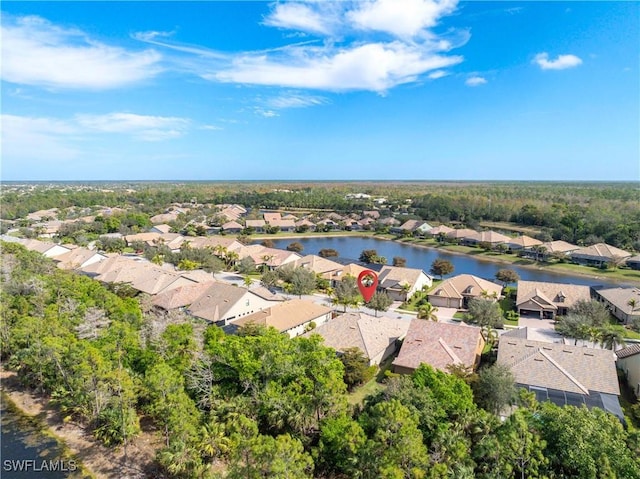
<point x="94" y="459"/>
<point x="480" y="257"/>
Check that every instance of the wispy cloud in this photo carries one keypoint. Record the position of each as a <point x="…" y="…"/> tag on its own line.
<point x="38" y="52"/>
<point x="295" y="100"/>
<point x="299" y="16"/>
<point x="143" y="127"/>
<point x="370" y="45"/>
<point x="475" y="81"/>
<point x="561" y="62"/>
<point x="438" y="74"/>
<point x="265" y="113"/>
<point x="372" y="66"/>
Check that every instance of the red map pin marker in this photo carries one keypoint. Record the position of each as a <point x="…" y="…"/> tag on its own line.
<point x="367" y="284"/>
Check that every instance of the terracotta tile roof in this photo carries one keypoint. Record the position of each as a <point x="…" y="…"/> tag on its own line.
<point x="216" y="301"/>
<point x="232" y="225"/>
<point x="143" y="237"/>
<point x="287" y="315"/>
<point x="465" y="285"/>
<point x="180" y="296"/>
<point x="393" y="277"/>
<point x="371" y="335"/>
<point x="552" y="293"/>
<point x="559" y="247"/>
<point x="439" y="345"/>
<point x="317" y="264"/>
<point x="524" y="241"/>
<point x="76" y="257"/>
<point x="559" y="366"/>
<point x="270" y="217"/>
<point x="628" y="351"/>
<point x="461" y="233"/>
<point x="601" y="250"/>
<point x="255" y="223"/>
<point x="442" y="229"/>
<point x="488" y="237"/>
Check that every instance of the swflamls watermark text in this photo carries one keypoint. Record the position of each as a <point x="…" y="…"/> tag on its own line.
<point x="38" y="465"/>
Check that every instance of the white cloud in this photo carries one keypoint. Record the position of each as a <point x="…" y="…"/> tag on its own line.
<point x="438" y="74"/>
<point x="371" y="66"/>
<point x="402" y="18"/>
<point x="143" y="127"/>
<point x="266" y="113"/>
<point x="37" y="52"/>
<point x="211" y="127"/>
<point x="299" y="16"/>
<point x="475" y="81"/>
<point x="351" y="56"/>
<point x="295" y="100"/>
<point x="560" y="63"/>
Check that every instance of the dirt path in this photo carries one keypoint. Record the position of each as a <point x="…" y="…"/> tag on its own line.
<point x="102" y="462"/>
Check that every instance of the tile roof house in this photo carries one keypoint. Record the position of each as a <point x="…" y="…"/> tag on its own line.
<point x="439" y="345"/>
<point x="78" y="258"/>
<point x="402" y="283"/>
<point x="491" y="237"/>
<point x="563" y="374"/>
<point x="623" y="303"/>
<point x="413" y="226"/>
<point x="180" y="297"/>
<point x="318" y="265"/>
<point x="351" y="269"/>
<point x="548" y="300"/>
<point x="599" y="254"/>
<point x="550" y="248"/>
<point x="375" y="214"/>
<point x="440" y="230"/>
<point x="270" y="217"/>
<point x="271" y="258"/>
<point x="161" y="228"/>
<point x="305" y="223"/>
<point x="164" y="217"/>
<point x="221" y="303"/>
<point x="49" y="250"/>
<point x="377" y="338"/>
<point x="284" y="225"/>
<point x="457" y="291"/>
<point x="522" y="242"/>
<point x="629" y="362"/>
<point x="232" y="227"/>
<point x="291" y="317"/>
<point x="460" y="234"/>
<point x="257" y="225"/>
<point x="633" y="262"/>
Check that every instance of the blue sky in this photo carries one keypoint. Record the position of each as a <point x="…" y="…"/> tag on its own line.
<point x="381" y="89"/>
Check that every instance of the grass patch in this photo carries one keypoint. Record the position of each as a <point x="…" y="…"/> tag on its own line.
<point x="460" y="316"/>
<point x="374" y="385"/>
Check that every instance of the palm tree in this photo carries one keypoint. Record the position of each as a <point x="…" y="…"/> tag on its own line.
<point x="247" y="281"/>
<point x="611" y="337"/>
<point x="633" y="303"/>
<point x="428" y="311"/>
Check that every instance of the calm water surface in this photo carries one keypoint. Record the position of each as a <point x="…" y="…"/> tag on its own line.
<point x="351" y="247"/>
<point x="27" y="453"/>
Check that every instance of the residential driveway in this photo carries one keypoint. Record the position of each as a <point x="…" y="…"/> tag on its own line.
<point x="445" y="314"/>
<point x="536" y="323"/>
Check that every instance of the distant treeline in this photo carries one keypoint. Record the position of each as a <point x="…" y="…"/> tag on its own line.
<point x="575" y="212"/>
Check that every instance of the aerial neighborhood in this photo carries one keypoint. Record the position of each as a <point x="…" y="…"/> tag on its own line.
<point x="216" y="267"/>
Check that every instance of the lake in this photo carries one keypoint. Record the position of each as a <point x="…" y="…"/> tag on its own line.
<point x="417" y="257"/>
